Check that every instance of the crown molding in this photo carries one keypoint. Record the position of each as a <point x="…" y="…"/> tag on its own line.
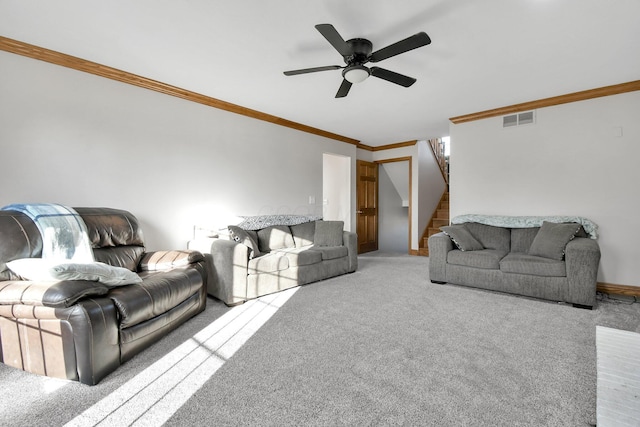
<point x="548" y="102"/>
<point x="79" y="64"/>
<point x="389" y="146"/>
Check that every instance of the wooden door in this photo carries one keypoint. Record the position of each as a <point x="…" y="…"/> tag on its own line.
<point x="367" y="204"/>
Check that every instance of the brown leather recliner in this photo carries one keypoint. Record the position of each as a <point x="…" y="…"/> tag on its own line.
<point x="83" y="330"/>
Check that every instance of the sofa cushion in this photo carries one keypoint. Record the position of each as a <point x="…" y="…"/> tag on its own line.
<point x="462" y="238"/>
<point x="491" y="237"/>
<point x="120" y="256"/>
<point x="97" y="272"/>
<point x="269" y="263"/>
<point x="275" y="237"/>
<point x="111" y="227"/>
<point x="331" y="252"/>
<point x="521" y="263"/>
<point x="552" y="238"/>
<point x="159" y="292"/>
<point x="328" y="233"/>
<point x="304" y="233"/>
<point x="485" y="258"/>
<point x="246" y="237"/>
<point x="521" y="238"/>
<point x="301" y="256"/>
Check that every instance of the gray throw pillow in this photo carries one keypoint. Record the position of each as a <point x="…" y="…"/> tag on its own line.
<point x="328" y="233"/>
<point x="462" y="237"/>
<point x="552" y="239"/>
<point x="304" y="233"/>
<point x="247" y="238"/>
<point x="46" y="270"/>
<point x="275" y="237"/>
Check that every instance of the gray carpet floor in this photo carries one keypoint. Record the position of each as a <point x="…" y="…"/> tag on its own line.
<point x="381" y="346"/>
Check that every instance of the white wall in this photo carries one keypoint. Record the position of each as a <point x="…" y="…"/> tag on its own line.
<point x="81" y="140"/>
<point x="571" y="162"/>
<point x="336" y="189"/>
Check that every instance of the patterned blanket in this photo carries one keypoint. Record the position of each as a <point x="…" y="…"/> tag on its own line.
<point x="589" y="226"/>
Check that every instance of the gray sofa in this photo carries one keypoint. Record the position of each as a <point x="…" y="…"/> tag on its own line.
<point x="555" y="261"/>
<point x="252" y="263"/>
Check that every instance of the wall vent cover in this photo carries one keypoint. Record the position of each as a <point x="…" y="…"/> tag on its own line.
<point x="526" y="118"/>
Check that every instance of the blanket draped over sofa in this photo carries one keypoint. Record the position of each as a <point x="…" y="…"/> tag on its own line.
<point x="550" y="258"/>
<point x="590" y="227"/>
<point x="64" y="233"/>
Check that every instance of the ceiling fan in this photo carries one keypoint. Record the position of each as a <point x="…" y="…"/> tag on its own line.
<point x="357" y="52"/>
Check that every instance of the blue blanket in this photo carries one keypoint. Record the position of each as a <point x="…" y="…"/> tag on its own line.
<point x="64" y="233"/>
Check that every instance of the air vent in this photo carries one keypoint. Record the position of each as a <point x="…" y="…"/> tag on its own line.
<point x="519" y="119"/>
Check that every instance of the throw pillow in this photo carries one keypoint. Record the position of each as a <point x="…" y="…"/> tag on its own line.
<point x="39" y="269"/>
<point x="96" y="272"/>
<point x="275" y="237"/>
<point x="328" y="233"/>
<point x="247" y="238"/>
<point x="303" y="234"/>
<point x="552" y="238"/>
<point x="462" y="238"/>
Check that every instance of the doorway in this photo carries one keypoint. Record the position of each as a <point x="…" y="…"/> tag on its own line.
<point x="394" y="214"/>
<point x="367" y="205"/>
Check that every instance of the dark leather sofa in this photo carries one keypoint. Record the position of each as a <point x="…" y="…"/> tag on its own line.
<point x="83" y="330"/>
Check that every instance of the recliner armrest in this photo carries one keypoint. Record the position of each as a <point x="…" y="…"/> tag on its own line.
<point x="166" y="260"/>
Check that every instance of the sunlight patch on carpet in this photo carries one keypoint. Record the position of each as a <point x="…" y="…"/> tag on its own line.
<point x="155" y="394"/>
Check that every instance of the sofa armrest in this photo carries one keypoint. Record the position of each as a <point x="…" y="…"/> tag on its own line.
<point x="227" y="265"/>
<point x="166" y="260"/>
<point x="60" y="294"/>
<point x="582" y="257"/>
<point x="350" y="240"/>
<point x="439" y="246"/>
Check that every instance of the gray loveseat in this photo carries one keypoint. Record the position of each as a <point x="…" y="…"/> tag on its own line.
<point x="256" y="262"/>
<point x="550" y="258"/>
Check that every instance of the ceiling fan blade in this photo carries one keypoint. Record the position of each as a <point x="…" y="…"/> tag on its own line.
<point x="333" y="37"/>
<point x="344" y="89"/>
<point x="312" y="70"/>
<point x="410" y="43"/>
<point x="392" y="77"/>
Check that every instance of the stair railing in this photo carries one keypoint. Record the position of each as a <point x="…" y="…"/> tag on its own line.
<point x="437" y="146"/>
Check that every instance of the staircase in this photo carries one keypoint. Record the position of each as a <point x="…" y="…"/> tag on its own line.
<point x="440" y="218"/>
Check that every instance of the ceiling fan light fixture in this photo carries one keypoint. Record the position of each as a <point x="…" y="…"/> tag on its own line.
<point x="356" y="73"/>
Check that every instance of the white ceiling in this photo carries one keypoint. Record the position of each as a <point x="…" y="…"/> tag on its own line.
<point x="484" y="54"/>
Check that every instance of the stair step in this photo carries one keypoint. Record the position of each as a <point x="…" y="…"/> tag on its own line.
<point x="437" y="223"/>
<point x="431" y="231"/>
<point x="442" y="213"/>
<point x="444" y="205"/>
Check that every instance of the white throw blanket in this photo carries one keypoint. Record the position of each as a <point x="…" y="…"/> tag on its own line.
<point x="590" y="227"/>
<point x="64" y="233"/>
